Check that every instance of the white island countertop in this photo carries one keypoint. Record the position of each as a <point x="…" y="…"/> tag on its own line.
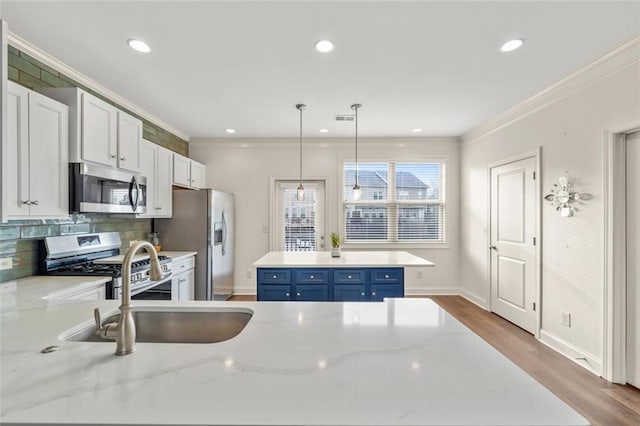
<point x="323" y="259"/>
<point x="398" y="362"/>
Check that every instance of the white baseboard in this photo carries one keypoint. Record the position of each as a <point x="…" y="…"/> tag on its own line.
<point x="244" y="291"/>
<point x="436" y="291"/>
<point x="584" y="359"/>
<point x="476" y="300"/>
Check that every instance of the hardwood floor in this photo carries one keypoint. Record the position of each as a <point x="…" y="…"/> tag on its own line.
<point x="601" y="402"/>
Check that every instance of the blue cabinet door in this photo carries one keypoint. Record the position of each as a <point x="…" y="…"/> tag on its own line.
<point x="380" y="291"/>
<point x="274" y="293"/>
<point x="312" y="292"/>
<point x="350" y="293"/>
<point x="311" y="276"/>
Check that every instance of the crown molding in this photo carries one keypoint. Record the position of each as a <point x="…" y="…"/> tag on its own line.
<point x="42" y="56"/>
<point x="617" y="59"/>
<point x="323" y="143"/>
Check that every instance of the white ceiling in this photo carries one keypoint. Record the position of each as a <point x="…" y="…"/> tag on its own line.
<point x="244" y="65"/>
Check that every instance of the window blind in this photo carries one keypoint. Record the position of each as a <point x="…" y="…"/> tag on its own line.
<point x="400" y="202"/>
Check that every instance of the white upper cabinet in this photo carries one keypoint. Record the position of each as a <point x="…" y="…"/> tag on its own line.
<point x="181" y="170"/>
<point x="198" y="175"/>
<point x="188" y="173"/>
<point x="129" y="139"/>
<point x="164" y="173"/>
<point x="37" y="179"/>
<point x="99" y="132"/>
<point x="99" y="138"/>
<point x="156" y="164"/>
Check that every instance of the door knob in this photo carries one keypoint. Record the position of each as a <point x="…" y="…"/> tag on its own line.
<point x="35" y="203"/>
<point x="493" y="248"/>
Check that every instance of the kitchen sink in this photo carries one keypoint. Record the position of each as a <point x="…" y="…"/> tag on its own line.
<point x="175" y="326"/>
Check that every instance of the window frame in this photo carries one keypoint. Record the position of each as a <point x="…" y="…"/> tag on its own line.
<point x="393" y="203"/>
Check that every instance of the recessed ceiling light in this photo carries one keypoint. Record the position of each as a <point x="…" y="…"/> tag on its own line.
<point x="416" y="130"/>
<point x="512" y="45"/>
<point x="230" y="130"/>
<point x="139" y="45"/>
<point x="324" y="130"/>
<point x="324" y="46"/>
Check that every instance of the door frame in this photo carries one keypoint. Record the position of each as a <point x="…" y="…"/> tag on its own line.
<point x="273" y="220"/>
<point x="536" y="154"/>
<point x="614" y="354"/>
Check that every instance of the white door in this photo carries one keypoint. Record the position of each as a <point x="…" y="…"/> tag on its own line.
<point x="164" y="177"/>
<point x="129" y="139"/>
<point x="48" y="157"/>
<point x="513" y="256"/>
<point x="148" y="154"/>
<point x="300" y="224"/>
<point x="99" y="131"/>
<point x="17" y="152"/>
<point x="633" y="259"/>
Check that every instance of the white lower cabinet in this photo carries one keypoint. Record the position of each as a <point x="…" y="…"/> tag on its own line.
<point x="183" y="284"/>
<point x="37" y="176"/>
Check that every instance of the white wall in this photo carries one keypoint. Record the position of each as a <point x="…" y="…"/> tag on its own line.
<point x="245" y="167"/>
<point x="570" y="131"/>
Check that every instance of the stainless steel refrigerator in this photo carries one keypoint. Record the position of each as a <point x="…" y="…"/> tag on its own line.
<point x="203" y="221"/>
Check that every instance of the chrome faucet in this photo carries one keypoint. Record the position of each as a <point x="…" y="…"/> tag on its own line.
<point x="124" y="331"/>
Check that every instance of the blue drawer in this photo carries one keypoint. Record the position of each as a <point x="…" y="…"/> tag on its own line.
<point x="387" y="275"/>
<point x="350" y="293"/>
<point x="349" y="276"/>
<point x="274" y="276"/>
<point x="312" y="292"/>
<point x="311" y="276"/>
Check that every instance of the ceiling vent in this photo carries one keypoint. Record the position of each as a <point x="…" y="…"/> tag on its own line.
<point x="345" y="118"/>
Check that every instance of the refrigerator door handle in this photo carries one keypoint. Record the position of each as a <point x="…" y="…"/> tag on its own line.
<point x="224" y="233"/>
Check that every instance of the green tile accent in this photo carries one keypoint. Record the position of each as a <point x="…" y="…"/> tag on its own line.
<point x="9" y="232"/>
<point x="31" y="73"/>
<point x="13" y="73"/>
<point x="19" y="239"/>
<point x="53" y="80"/>
<point x="39" y="231"/>
<point x="24" y="66"/>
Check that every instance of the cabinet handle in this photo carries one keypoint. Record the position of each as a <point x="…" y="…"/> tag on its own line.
<point x="386" y="276"/>
<point x="35" y="203"/>
<point x="373" y="293"/>
<point x="362" y="294"/>
<point x="287" y="294"/>
<point x="298" y="294"/>
<point x="275" y="276"/>
<point x="28" y="202"/>
<point x="311" y="276"/>
<point x="122" y="159"/>
<point x="349" y="277"/>
<point x="112" y="156"/>
<point x="158" y="208"/>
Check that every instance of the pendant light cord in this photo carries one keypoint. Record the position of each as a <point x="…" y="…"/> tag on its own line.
<point x="356" y="146"/>
<point x="301" y="146"/>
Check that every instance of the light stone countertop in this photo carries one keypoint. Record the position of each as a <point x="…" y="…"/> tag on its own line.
<point x="323" y="259"/>
<point x="398" y="362"/>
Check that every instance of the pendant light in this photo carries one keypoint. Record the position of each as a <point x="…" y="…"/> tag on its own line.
<point x="300" y="192"/>
<point x="357" y="193"/>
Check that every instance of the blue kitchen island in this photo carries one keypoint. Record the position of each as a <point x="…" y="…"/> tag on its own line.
<point x="355" y="276"/>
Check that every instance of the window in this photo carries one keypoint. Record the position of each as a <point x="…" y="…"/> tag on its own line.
<point x="400" y="202"/>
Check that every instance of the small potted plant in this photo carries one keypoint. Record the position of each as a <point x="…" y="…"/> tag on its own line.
<point x="335" y="244"/>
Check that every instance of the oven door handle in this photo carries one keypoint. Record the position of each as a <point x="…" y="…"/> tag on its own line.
<point x="134" y="202"/>
<point x="150" y="284"/>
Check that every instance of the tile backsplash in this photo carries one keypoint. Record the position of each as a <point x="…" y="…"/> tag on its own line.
<point x="19" y="238"/>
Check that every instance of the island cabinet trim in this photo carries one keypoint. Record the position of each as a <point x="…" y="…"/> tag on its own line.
<point x="329" y="284"/>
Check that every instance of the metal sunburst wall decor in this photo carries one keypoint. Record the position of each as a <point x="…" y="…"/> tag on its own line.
<point x="564" y="197"/>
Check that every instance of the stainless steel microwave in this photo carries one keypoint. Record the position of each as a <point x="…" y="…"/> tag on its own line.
<point x="100" y="189"/>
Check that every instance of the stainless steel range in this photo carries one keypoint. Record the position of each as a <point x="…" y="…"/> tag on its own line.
<point x="99" y="254"/>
